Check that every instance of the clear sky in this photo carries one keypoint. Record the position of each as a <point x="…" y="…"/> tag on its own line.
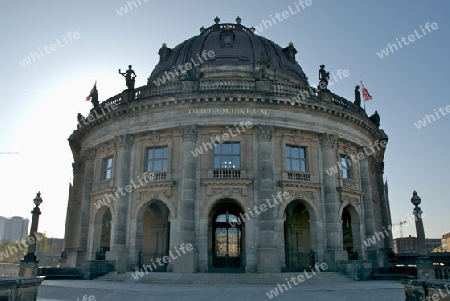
<point x="40" y="101"/>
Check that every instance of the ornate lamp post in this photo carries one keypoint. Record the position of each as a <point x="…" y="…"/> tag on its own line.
<point x="29" y="264"/>
<point x="417" y="211"/>
<point x="425" y="268"/>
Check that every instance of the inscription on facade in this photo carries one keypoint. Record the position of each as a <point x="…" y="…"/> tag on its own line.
<point x="227" y="112"/>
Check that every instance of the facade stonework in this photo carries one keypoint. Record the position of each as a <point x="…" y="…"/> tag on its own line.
<point x="227" y="163"/>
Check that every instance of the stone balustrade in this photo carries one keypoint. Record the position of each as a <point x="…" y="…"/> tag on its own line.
<point x="9" y="270"/>
<point x="19" y="289"/>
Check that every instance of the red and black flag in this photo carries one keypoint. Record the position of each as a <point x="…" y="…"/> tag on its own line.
<point x="93" y="94"/>
<point x="366" y="95"/>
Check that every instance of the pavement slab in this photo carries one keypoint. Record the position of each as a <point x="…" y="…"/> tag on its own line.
<point x="79" y="290"/>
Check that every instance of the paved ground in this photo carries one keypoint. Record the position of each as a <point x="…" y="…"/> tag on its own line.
<point x="62" y="290"/>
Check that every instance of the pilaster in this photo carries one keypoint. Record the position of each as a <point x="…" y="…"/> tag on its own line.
<point x="124" y="144"/>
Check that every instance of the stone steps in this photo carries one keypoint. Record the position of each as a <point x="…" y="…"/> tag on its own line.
<point x="235" y="278"/>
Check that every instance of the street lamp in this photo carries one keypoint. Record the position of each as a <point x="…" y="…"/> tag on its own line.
<point x="31" y="256"/>
<point x="421" y="243"/>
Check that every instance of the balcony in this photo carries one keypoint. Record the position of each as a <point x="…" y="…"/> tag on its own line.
<point x="348" y="183"/>
<point x="226" y="173"/>
<point x="297" y="176"/>
<point x="153" y="176"/>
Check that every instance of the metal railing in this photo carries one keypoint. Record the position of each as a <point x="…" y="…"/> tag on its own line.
<point x="227" y="173"/>
<point x="153" y="260"/>
<point x="299" y="261"/>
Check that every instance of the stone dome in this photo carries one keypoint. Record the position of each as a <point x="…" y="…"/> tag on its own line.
<point x="236" y="48"/>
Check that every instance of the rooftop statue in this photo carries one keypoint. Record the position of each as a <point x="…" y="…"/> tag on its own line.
<point x="264" y="64"/>
<point x="375" y="118"/>
<point x="129" y="79"/>
<point x="324" y="76"/>
<point x="357" y="97"/>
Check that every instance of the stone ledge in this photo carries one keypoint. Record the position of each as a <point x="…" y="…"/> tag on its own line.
<point x="23" y="289"/>
<point x="421" y="290"/>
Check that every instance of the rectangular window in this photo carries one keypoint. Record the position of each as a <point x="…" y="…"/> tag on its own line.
<point x="157" y="159"/>
<point x="227" y="155"/>
<point x="107" y="168"/>
<point x="346" y="167"/>
<point x="296" y="158"/>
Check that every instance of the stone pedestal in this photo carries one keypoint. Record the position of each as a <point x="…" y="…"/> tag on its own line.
<point x="263" y="84"/>
<point x="356" y="269"/>
<point x="268" y="260"/>
<point x="190" y="85"/>
<point x="28" y="269"/>
<point x="333" y="257"/>
<point x="69" y="258"/>
<point x="325" y="95"/>
<point x="186" y="263"/>
<point x="120" y="259"/>
<point x="425" y="271"/>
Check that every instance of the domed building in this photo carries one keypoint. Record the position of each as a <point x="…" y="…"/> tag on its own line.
<point x="228" y="161"/>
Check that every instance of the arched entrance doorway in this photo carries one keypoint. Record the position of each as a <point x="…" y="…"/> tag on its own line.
<point x="351" y="232"/>
<point x="155" y="236"/>
<point x="226" y="232"/>
<point x="297" y="234"/>
<point x="102" y="233"/>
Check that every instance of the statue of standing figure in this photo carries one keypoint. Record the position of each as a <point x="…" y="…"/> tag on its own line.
<point x="324" y="76"/>
<point x="129" y="79"/>
<point x="357" y="97"/>
<point x="264" y="64"/>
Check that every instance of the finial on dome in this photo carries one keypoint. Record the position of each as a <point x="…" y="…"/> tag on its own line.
<point x="217" y="20"/>
<point x="164" y="45"/>
<point x="202" y="29"/>
<point x="253" y="29"/>
<point x="238" y="20"/>
<point x="291" y="44"/>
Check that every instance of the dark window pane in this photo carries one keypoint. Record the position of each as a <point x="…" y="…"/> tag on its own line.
<point x="288" y="163"/>
<point x="294" y="152"/>
<point x="217" y="162"/>
<point x="288" y="151"/>
<point x="149" y="166"/>
<point x="164" y="164"/>
<point x="150" y="153"/>
<point x="217" y="149"/>
<point x="236" y="149"/>
<point x="165" y="152"/>
<point x="157" y="165"/>
<point x="158" y="153"/>
<point x="236" y="162"/>
<point x="302" y="152"/>
<point x="226" y="148"/>
<point x="232" y="218"/>
<point x="295" y="165"/>
<point x="303" y="166"/>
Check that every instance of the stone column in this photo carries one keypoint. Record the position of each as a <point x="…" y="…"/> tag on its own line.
<point x="69" y="255"/>
<point x="187" y="263"/>
<point x="384" y="205"/>
<point x="267" y="254"/>
<point x="385" y="216"/>
<point x="369" y="221"/>
<point x="86" y="203"/>
<point x="119" y="252"/>
<point x="333" y="225"/>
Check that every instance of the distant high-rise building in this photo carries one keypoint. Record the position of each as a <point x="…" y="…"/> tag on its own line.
<point x="13" y="229"/>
